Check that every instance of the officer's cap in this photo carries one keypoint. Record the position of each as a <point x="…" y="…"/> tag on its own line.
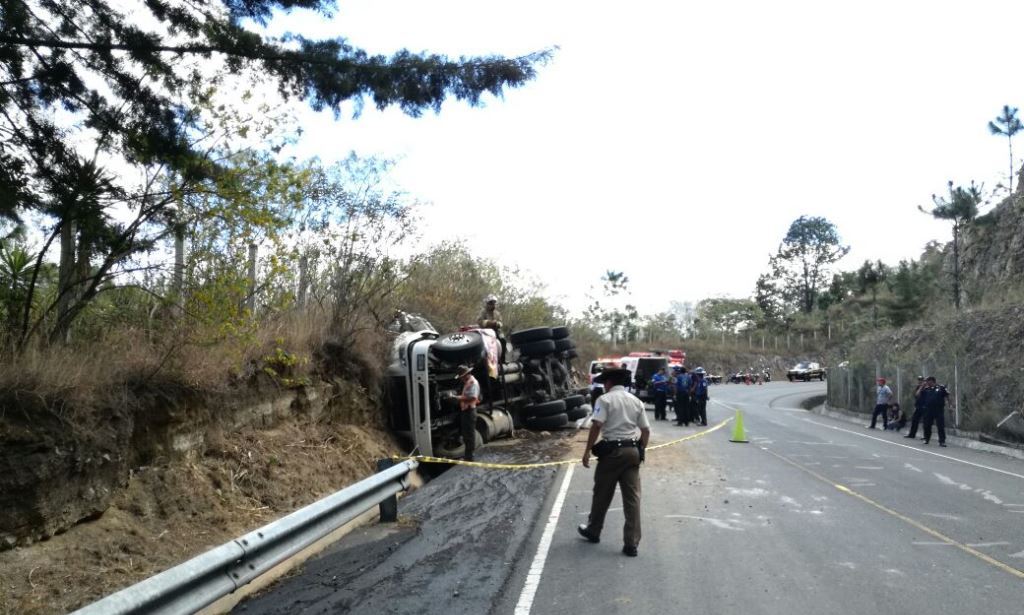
<point x="615" y="375"/>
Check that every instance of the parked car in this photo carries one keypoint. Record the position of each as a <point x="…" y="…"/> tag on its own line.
<point x="806" y="371"/>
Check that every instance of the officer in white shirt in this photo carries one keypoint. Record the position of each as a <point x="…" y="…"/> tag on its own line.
<point x="620" y="419"/>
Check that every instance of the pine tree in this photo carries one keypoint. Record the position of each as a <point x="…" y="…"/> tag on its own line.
<point x="1007" y="125"/>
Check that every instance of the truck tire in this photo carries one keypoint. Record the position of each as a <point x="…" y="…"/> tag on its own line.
<point x="543" y="423"/>
<point x="537" y="349"/>
<point x="559" y="333"/>
<point x="535" y="334"/>
<point x="572" y="354"/>
<point x="577" y="413"/>
<point x="547" y="408"/>
<point x="564" y="344"/>
<point x="459" y="347"/>
<point x="574" y="400"/>
<point x="452" y="452"/>
<point x="485" y="427"/>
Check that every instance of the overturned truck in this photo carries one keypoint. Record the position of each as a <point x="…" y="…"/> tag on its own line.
<point x="527" y="381"/>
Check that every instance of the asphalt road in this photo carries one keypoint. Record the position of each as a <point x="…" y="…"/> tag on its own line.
<point x="813" y="515"/>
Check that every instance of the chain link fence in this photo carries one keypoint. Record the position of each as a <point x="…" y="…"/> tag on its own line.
<point x="970" y="408"/>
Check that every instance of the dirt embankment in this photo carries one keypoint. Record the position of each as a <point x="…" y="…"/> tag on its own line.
<point x="115" y="504"/>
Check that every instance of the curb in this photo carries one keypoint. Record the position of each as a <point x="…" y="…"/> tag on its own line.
<point x="959" y="440"/>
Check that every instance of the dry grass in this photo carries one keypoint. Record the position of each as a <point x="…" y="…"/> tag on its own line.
<point x="94" y="374"/>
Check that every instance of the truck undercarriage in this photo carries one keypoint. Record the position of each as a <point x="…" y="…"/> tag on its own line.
<point x="527" y="381"/>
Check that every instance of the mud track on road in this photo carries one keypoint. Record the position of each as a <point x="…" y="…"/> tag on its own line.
<point x="452" y="551"/>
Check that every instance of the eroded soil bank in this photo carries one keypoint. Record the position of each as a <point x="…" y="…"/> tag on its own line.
<point x="98" y="501"/>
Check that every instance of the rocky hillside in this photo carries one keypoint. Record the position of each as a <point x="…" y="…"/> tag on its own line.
<point x="992" y="259"/>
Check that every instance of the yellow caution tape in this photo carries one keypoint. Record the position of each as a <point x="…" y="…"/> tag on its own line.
<point x="546" y="464"/>
<point x="692" y="436"/>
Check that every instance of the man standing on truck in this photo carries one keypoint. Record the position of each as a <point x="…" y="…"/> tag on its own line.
<point x="490" y="317"/>
<point x="468" y="400"/>
<point x="620" y="418"/>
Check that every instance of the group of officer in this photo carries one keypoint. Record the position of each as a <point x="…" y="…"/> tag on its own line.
<point x="930" y="404"/>
<point x="929" y="407"/>
<point x="690" y="391"/>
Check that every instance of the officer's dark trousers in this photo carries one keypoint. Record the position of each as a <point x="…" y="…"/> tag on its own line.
<point x="938" y="417"/>
<point x="914" y="422"/>
<point x="467" y="422"/>
<point x="700" y="411"/>
<point x="682" y="409"/>
<point x="660" y="399"/>
<point x="620" y="467"/>
<point x="884" y="411"/>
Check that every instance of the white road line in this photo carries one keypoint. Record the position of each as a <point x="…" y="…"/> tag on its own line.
<point x="533" y="576"/>
<point x="987" y="544"/>
<point x="918" y="449"/>
<point x="911" y="467"/>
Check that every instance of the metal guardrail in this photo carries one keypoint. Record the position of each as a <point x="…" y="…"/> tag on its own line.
<point x="199" y="582"/>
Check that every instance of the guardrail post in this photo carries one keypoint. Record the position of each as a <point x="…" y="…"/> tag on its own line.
<point x="389" y="506"/>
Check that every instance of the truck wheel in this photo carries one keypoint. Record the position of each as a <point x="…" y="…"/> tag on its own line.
<point x="564" y="344"/>
<point x="544" y="409"/>
<point x="574" y="400"/>
<point x="449" y="449"/>
<point x="535" y="334"/>
<point x="537" y="349"/>
<point x="572" y="354"/>
<point x="559" y="333"/>
<point x="790" y="378"/>
<point x="577" y="413"/>
<point x="460" y="347"/>
<point x="542" y="423"/>
<point x="485" y="427"/>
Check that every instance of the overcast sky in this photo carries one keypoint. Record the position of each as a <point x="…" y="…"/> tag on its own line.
<point x="678" y="141"/>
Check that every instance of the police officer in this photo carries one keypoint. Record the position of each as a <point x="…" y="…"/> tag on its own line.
<point x="682" y="386"/>
<point x="659" y="382"/>
<point x="620" y="419"/>
<point x="918" y="408"/>
<point x="934" y="410"/>
<point x="699" y="396"/>
<point x="469" y="398"/>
